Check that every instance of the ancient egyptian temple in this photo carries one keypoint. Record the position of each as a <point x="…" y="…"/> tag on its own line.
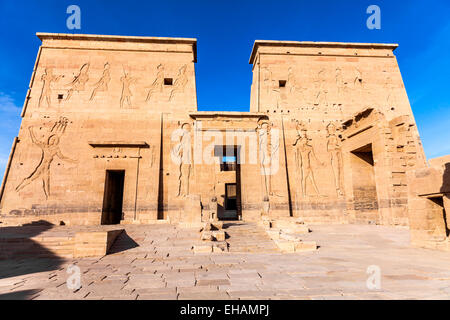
<point x="111" y="134"/>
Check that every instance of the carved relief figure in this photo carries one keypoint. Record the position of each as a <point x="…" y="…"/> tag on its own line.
<point x="47" y="78"/>
<point x="152" y="156"/>
<point x="79" y="81"/>
<point x="322" y="92"/>
<point x="358" y="81"/>
<point x="279" y="96"/>
<point x="294" y="89"/>
<point x="274" y="147"/>
<point x="127" y="81"/>
<point x="102" y="84"/>
<point x="340" y="84"/>
<point x="358" y="87"/>
<point x="269" y="145"/>
<point x="291" y="84"/>
<point x="50" y="149"/>
<point x="391" y="98"/>
<point x="183" y="154"/>
<point x="334" y="149"/>
<point x="158" y="84"/>
<point x="304" y="153"/>
<point x="264" y="156"/>
<point x="267" y="79"/>
<point x="180" y="82"/>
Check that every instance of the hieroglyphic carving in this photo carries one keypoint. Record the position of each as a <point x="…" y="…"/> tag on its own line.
<point x="50" y="149"/>
<point x="47" y="78"/>
<point x="180" y="82"/>
<point x="79" y="81"/>
<point x="158" y="84"/>
<point x="282" y="91"/>
<point x="304" y="153"/>
<point x="127" y="81"/>
<point x="334" y="149"/>
<point x="102" y="84"/>
<point x="182" y="155"/>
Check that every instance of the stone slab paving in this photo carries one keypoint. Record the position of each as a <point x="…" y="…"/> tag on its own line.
<point x="163" y="266"/>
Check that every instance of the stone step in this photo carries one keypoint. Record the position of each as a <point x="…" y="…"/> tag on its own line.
<point x="248" y="237"/>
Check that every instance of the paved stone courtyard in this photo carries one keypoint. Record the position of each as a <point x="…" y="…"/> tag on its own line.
<point x="156" y="262"/>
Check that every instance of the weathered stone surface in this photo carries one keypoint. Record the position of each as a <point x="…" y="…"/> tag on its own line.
<point x="218" y="235"/>
<point x="94" y="244"/>
<point x="304" y="246"/>
<point x="203" y="249"/>
<point x="429" y="204"/>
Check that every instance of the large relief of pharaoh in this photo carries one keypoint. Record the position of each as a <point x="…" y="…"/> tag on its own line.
<point x="49" y="150"/>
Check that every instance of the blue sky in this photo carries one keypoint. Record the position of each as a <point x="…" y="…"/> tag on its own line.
<point x="226" y="31"/>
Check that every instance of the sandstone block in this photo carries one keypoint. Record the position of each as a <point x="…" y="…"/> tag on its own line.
<point x="202" y="249"/>
<point x="305" y="246"/>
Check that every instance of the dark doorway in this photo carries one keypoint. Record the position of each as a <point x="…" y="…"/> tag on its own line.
<point x="230" y="162"/>
<point x="438" y="210"/>
<point x="113" y="197"/>
<point x="230" y="197"/>
<point x="364" y="186"/>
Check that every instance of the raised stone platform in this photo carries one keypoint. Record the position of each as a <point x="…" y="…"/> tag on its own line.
<point x="43" y="240"/>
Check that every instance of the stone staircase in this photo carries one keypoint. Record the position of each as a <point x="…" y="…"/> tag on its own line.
<point x="248" y="237"/>
<point x="287" y="233"/>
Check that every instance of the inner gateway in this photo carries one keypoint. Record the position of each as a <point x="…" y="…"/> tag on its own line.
<point x="364" y="186"/>
<point x="228" y="183"/>
<point x="437" y="210"/>
<point x="113" y="197"/>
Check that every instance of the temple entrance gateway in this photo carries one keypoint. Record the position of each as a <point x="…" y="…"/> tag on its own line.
<point x="113" y="197"/>
<point x="228" y="183"/>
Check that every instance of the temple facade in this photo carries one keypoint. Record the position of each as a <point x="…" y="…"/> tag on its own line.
<point x="110" y="134"/>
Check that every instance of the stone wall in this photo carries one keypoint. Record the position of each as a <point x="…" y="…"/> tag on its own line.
<point x="315" y="88"/>
<point x="96" y="103"/>
<point x="429" y="205"/>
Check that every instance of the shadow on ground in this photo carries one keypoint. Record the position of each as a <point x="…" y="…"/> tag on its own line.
<point x="123" y="242"/>
<point x="20" y="255"/>
<point x="20" y="295"/>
